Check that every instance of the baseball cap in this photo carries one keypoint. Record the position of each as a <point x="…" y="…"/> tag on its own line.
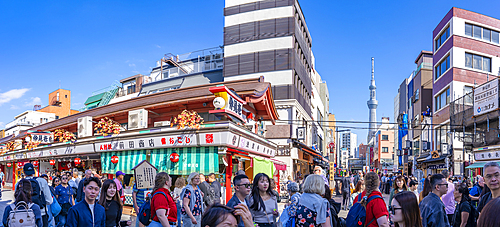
<point x="29" y="169"/>
<point x="119" y="173"/>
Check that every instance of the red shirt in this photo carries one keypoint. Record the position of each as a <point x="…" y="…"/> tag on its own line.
<point x="160" y="202"/>
<point x="375" y="209"/>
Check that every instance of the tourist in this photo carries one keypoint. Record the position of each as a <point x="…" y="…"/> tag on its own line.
<point x="262" y="203"/>
<point x="119" y="186"/>
<point x="180" y="183"/>
<point x="79" y="193"/>
<point x="192" y="202"/>
<point x="462" y="216"/>
<point x="313" y="209"/>
<point x="163" y="208"/>
<point x="293" y="192"/>
<point x="360" y="187"/>
<point x="476" y="190"/>
<point x="376" y="209"/>
<point x="138" y="199"/>
<point x="431" y="207"/>
<point x="448" y="198"/>
<point x="23" y="194"/>
<point x="216" y="186"/>
<point x="43" y="186"/>
<point x="426" y="190"/>
<point x="346" y="191"/>
<point x="64" y="195"/>
<point x="414" y="188"/>
<point x="112" y="205"/>
<point x="55" y="182"/>
<point x="207" y="192"/>
<point x="492" y="179"/>
<point x="88" y="212"/>
<point x="404" y="210"/>
<point x="383" y="180"/>
<point x="219" y="215"/>
<point x="489" y="216"/>
<point x="242" y="187"/>
<point x="398" y="186"/>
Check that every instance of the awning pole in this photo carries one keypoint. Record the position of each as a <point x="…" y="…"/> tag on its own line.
<point x="229" y="172"/>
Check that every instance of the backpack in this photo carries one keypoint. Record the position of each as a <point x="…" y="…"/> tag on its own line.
<point x="473" y="216"/>
<point x="357" y="213"/>
<point x="37" y="195"/>
<point x="334" y="211"/>
<point x="145" y="210"/>
<point x="21" y="215"/>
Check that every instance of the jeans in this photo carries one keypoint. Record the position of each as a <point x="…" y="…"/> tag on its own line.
<point x="61" y="220"/>
<point x="179" y="214"/>
<point x="51" y="221"/>
<point x="186" y="221"/>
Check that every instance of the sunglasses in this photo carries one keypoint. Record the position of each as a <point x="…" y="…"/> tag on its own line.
<point x="393" y="209"/>
<point x="246" y="185"/>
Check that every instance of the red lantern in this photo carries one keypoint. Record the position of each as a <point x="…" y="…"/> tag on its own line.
<point x="52" y="162"/>
<point x="9" y="164"/>
<point x="35" y="163"/>
<point x="78" y="161"/>
<point x="174" y="157"/>
<point x="114" y="159"/>
<point x="20" y="164"/>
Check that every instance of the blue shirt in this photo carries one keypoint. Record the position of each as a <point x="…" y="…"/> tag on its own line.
<point x="139" y="197"/>
<point x="36" y="211"/>
<point x="80" y="215"/>
<point x="64" y="194"/>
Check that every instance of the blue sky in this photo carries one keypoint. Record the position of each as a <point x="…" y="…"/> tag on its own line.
<point x="85" y="46"/>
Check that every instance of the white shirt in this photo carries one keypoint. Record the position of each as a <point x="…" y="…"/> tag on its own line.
<point x="244" y="202"/>
<point x="91" y="206"/>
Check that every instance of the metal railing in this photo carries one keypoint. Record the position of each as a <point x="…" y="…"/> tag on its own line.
<point x="184" y="69"/>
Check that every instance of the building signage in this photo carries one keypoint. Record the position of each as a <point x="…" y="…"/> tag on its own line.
<point x="486" y="97"/>
<point x="301" y="133"/>
<point x="440" y="166"/>
<point x="43" y="138"/>
<point x="144" y="175"/>
<point x="487" y="155"/>
<point x="147" y="143"/>
<point x="246" y="144"/>
<point x="68" y="149"/>
<point x="233" y="103"/>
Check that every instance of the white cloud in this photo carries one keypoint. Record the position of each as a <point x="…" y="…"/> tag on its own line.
<point x="34" y="101"/>
<point x="14" y="107"/>
<point x="12" y="94"/>
<point x="131" y="65"/>
<point x="2" y="124"/>
<point x="158" y="46"/>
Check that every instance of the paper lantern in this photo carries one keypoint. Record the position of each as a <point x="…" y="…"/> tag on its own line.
<point x="20" y="164"/>
<point x="52" y="162"/>
<point x="35" y="163"/>
<point x="174" y="157"/>
<point x="114" y="159"/>
<point x="78" y="161"/>
<point x="9" y="164"/>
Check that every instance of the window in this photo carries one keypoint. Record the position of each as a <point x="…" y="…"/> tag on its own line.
<point x="385" y="150"/>
<point x="477" y="62"/>
<point x="468" y="95"/>
<point x="443" y="99"/>
<point x="417" y="94"/>
<point x="442" y="37"/>
<point x="442" y="67"/>
<point x="441" y="135"/>
<point x="481" y="33"/>
<point x="385" y="137"/>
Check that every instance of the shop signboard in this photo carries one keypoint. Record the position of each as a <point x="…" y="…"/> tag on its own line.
<point x="153" y="142"/>
<point x="42" y="137"/>
<point x="144" y="175"/>
<point x="231" y="103"/>
<point x="486" y="98"/>
<point x="67" y="149"/>
<point x="250" y="145"/>
<point x="487" y="155"/>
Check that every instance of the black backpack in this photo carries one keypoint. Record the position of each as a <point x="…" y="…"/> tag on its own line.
<point x="37" y="196"/>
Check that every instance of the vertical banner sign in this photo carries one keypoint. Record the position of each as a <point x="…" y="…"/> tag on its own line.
<point x="232" y="103"/>
<point x="144" y="175"/>
<point x="486" y="97"/>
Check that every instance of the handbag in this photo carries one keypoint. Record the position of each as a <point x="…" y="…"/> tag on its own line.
<point x="55" y="207"/>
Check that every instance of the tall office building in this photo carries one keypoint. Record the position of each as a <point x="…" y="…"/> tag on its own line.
<point x="349" y="140"/>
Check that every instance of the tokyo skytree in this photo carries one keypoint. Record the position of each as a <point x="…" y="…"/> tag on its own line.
<point x="372" y="105"/>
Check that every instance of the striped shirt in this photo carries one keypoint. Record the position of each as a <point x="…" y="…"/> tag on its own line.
<point x="140" y="196"/>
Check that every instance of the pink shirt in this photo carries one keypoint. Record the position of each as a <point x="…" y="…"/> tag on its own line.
<point x="119" y="187"/>
<point x="449" y="199"/>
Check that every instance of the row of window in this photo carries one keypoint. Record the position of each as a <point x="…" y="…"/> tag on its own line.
<point x="442" y="67"/>
<point x="481" y="33"/>
<point x="443" y="99"/>
<point x="477" y="62"/>
<point x="442" y="38"/>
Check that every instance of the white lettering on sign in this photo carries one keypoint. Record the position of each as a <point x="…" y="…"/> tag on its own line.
<point x="147" y="143"/>
<point x="42" y="138"/>
<point x="486" y="97"/>
<point x="234" y="106"/>
<point x="250" y="145"/>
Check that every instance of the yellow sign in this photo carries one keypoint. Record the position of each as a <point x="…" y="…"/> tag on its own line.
<point x="435" y="154"/>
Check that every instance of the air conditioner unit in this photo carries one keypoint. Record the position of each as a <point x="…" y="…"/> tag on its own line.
<point x="84" y="126"/>
<point x="137" y="119"/>
<point x="161" y="123"/>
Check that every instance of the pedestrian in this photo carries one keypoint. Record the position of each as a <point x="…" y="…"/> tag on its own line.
<point x="293" y="191"/>
<point x="489" y="216"/>
<point x="219" y="215"/>
<point x="273" y="190"/>
<point x="138" y="199"/>
<point x="55" y="182"/>
<point x="216" y="186"/>
<point x="360" y="187"/>
<point x="2" y="175"/>
<point x="192" y="202"/>
<point x="319" y="171"/>
<point x="88" y="212"/>
<point x="313" y="209"/>
<point x="414" y="188"/>
<point x="426" y="190"/>
<point x="346" y="191"/>
<point x="462" y="216"/>
<point x="64" y="195"/>
<point x="476" y="190"/>
<point x="404" y="210"/>
<point x="262" y="203"/>
<point x="180" y="183"/>
<point x="112" y="204"/>
<point x="208" y="192"/>
<point x="240" y="172"/>
<point x="73" y="183"/>
<point x="163" y="208"/>
<point x="79" y="193"/>
<point x="388" y="184"/>
<point x="398" y="186"/>
<point x="448" y="198"/>
<point x="242" y="187"/>
<point x="23" y="194"/>
<point x="41" y="192"/>
<point x="119" y="186"/>
<point x="431" y="207"/>
<point x="492" y="179"/>
<point x="376" y="209"/>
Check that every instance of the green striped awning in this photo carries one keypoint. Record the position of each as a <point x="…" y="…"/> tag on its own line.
<point x="126" y="161"/>
<point x="191" y="159"/>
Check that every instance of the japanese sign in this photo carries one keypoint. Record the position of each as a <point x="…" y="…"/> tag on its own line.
<point x="43" y="138"/>
<point x="487" y="155"/>
<point x="486" y="97"/>
<point x="144" y="175"/>
<point x="233" y="103"/>
<point x="147" y="143"/>
<point x="246" y="144"/>
<point x="66" y="149"/>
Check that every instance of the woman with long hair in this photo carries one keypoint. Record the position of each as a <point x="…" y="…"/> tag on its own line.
<point x="360" y="187"/>
<point x="163" y="208"/>
<point x="464" y="207"/>
<point x="405" y="211"/>
<point x="376" y="209"/>
<point x="399" y="185"/>
<point x="23" y="194"/>
<point x="192" y="202"/>
<point x="263" y="203"/>
<point x="489" y="215"/>
<point x="180" y="183"/>
<point x="112" y="204"/>
<point x="426" y="190"/>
